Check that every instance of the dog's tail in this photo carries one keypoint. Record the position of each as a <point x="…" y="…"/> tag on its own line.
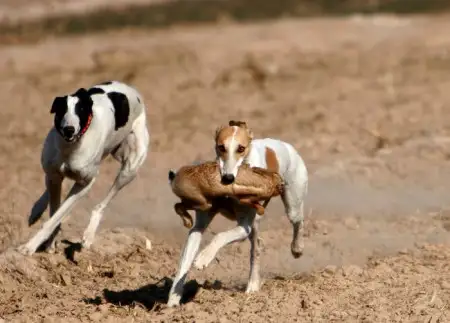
<point x="171" y="176"/>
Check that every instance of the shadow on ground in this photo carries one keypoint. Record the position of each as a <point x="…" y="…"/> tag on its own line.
<point x="147" y="296"/>
<point x="151" y="295"/>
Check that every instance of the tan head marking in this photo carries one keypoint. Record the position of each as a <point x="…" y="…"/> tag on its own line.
<point x="232" y="146"/>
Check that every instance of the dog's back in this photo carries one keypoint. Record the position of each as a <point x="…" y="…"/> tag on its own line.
<point x="120" y="103"/>
<point x="113" y="89"/>
<point x="127" y="102"/>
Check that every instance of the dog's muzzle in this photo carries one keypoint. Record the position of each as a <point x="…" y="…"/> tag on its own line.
<point x="228" y="179"/>
<point x="68" y="132"/>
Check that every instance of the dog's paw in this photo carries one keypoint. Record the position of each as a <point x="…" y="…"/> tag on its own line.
<point x="203" y="260"/>
<point x="89" y="233"/>
<point x="51" y="249"/>
<point x="87" y="241"/>
<point x="297" y="248"/>
<point x="25" y="250"/>
<point x="253" y="287"/>
<point x="174" y="300"/>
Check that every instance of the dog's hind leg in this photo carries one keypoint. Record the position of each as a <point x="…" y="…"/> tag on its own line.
<point x="293" y="200"/>
<point x="131" y="153"/>
<point x="254" y="282"/>
<point x="77" y="192"/>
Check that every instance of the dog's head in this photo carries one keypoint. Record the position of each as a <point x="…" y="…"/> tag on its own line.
<point x="232" y="147"/>
<point x="73" y="114"/>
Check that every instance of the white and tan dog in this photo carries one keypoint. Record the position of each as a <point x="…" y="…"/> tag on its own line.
<point x="90" y="124"/>
<point x="235" y="146"/>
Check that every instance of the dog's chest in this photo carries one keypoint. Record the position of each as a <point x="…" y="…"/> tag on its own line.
<point x="78" y="172"/>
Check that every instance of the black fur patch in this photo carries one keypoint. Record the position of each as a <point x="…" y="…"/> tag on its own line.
<point x="139" y="100"/>
<point x="81" y="93"/>
<point x="83" y="108"/>
<point x="106" y="83"/>
<point x="95" y="90"/>
<point x="121" y="108"/>
<point x="59" y="108"/>
<point x="59" y="103"/>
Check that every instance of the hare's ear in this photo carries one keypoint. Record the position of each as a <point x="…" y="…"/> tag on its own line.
<point x="237" y="123"/>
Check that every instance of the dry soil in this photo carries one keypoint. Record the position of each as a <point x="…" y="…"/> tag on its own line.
<point x="365" y="100"/>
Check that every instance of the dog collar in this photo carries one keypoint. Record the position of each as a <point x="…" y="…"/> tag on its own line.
<point x="86" y="127"/>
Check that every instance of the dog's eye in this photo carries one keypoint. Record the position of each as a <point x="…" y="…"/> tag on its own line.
<point x="221" y="148"/>
<point x="241" y="149"/>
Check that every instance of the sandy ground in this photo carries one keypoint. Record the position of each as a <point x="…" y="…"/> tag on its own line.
<point x="364" y="100"/>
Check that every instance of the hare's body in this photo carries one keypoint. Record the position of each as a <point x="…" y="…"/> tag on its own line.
<point x="200" y="188"/>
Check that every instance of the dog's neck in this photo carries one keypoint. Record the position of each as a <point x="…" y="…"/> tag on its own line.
<point x="86" y="127"/>
<point x="250" y="146"/>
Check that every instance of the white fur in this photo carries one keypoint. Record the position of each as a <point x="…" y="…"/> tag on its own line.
<point x="294" y="173"/>
<point x="80" y="161"/>
<point x="71" y="118"/>
<point x="231" y="165"/>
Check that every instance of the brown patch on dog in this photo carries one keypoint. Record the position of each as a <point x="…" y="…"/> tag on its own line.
<point x="237" y="130"/>
<point x="271" y="160"/>
<point x="240" y="124"/>
<point x="223" y="134"/>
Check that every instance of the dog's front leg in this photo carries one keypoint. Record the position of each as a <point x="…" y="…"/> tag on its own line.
<point x="221" y="239"/>
<point x="76" y="193"/>
<point x="202" y="220"/>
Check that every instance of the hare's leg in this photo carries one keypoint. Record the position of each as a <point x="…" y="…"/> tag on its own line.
<point x="181" y="210"/>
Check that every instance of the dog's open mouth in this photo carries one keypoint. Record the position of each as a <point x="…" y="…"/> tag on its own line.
<point x="69" y="139"/>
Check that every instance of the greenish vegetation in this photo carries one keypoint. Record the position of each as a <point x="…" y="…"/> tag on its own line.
<point x="209" y="11"/>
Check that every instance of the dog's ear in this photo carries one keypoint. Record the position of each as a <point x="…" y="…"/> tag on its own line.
<point x="250" y="134"/>
<point x="82" y="93"/>
<point x="218" y="130"/>
<point x="58" y="103"/>
<point x="240" y="124"/>
<point x="243" y="125"/>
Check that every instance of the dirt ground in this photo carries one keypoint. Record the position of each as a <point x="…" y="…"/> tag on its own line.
<point x="364" y="100"/>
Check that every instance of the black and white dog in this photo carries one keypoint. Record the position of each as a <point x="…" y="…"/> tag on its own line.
<point x="108" y="118"/>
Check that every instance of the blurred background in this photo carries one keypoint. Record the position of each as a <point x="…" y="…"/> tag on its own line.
<point x="360" y="88"/>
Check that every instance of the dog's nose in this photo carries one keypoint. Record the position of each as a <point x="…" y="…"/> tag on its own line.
<point x="69" y="131"/>
<point x="227" y="178"/>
